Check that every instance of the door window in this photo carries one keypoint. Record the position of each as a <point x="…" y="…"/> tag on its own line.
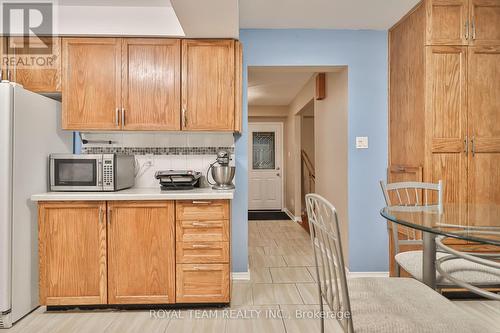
<point x="264" y="150"/>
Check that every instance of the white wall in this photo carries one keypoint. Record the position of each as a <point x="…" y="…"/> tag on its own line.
<point x="331" y="149"/>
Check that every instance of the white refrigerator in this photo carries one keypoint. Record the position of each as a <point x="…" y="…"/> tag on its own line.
<point x="30" y="130"/>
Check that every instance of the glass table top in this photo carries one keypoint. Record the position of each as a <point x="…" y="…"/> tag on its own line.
<point x="472" y="222"/>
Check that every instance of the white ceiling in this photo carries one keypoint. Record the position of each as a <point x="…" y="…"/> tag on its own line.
<point x="208" y="19"/>
<point x="279" y="85"/>
<point x="322" y="14"/>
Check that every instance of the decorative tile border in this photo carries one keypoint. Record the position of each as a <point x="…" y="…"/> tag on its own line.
<point x="155" y="150"/>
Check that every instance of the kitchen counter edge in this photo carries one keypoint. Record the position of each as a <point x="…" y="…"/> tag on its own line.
<point x="136" y="194"/>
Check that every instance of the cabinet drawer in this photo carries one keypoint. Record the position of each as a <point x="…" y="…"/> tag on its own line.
<point x="198" y="283"/>
<point x="201" y="210"/>
<point x="202" y="252"/>
<point x="204" y="231"/>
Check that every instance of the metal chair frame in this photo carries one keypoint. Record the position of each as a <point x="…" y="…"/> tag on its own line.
<point x="403" y="190"/>
<point x="326" y="242"/>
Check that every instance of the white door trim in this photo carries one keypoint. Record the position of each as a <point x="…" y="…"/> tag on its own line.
<point x="282" y="167"/>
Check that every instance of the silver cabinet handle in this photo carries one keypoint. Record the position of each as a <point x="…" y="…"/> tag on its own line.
<point x="184" y="117"/>
<point x="198" y="202"/>
<point x="123" y="117"/>
<point x="467" y="29"/>
<point x="100" y="215"/>
<point x="109" y="215"/>
<point x="466" y="145"/>
<point x="473" y="143"/>
<point x="199" y="224"/>
<point x="473" y="30"/>
<point x="117" y="120"/>
<point x="200" y="246"/>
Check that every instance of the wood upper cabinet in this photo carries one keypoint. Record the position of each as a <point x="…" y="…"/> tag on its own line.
<point x="37" y="66"/>
<point x="151" y="84"/>
<point x="446" y="119"/>
<point x="141" y="252"/>
<point x="485" y="22"/>
<point x="208" y="85"/>
<point x="91" y="83"/>
<point x="447" y="22"/>
<point x="72" y="252"/>
<point x="484" y="124"/>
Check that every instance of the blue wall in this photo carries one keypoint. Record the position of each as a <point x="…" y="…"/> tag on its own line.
<point x="365" y="54"/>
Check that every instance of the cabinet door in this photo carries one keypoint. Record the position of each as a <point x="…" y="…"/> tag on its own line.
<point x="151" y="84"/>
<point x="202" y="283"/>
<point x="141" y="253"/>
<point x="208" y="85"/>
<point x="485" y="22"/>
<point x="446" y="120"/>
<point x="484" y="125"/>
<point x="36" y="70"/>
<point x="447" y="22"/>
<point x="91" y="83"/>
<point x="72" y="253"/>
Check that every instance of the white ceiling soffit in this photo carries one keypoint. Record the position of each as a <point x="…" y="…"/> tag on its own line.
<point x="108" y="17"/>
<point x="208" y="18"/>
<point x="269" y="85"/>
<point x="322" y="14"/>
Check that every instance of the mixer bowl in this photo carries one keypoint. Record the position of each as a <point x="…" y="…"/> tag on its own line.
<point x="223" y="177"/>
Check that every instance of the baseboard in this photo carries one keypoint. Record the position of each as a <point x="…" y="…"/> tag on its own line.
<point x="241" y="276"/>
<point x="291" y="216"/>
<point x="366" y="274"/>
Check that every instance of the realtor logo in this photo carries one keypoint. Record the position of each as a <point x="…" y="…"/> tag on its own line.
<point x="24" y="20"/>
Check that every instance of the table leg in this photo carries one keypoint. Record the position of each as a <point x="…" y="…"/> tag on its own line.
<point x="429" y="259"/>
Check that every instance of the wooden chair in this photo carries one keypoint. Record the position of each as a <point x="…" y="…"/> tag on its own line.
<point x="430" y="195"/>
<point x="375" y="304"/>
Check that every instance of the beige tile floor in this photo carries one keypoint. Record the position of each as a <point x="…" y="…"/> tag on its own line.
<point x="282" y="283"/>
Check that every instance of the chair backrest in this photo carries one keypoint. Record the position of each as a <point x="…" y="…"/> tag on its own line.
<point x="411" y="194"/>
<point x="330" y="269"/>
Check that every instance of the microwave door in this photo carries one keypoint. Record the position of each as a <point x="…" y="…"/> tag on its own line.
<point x="76" y="173"/>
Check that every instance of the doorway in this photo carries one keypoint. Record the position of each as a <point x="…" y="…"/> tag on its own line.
<point x="265" y="145"/>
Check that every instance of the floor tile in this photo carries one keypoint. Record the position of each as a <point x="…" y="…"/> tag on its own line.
<point x="260" y="275"/>
<point x="300" y="261"/>
<point x="263" y="319"/>
<point x="267" y="293"/>
<point x="266" y="261"/>
<point x="300" y="319"/>
<point x="290" y="275"/>
<point x="241" y="293"/>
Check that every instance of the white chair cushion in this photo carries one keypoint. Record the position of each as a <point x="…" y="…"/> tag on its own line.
<point x="405" y="305"/>
<point x="461" y="269"/>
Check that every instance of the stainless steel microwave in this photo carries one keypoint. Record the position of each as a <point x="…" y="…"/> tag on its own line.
<point x="91" y="172"/>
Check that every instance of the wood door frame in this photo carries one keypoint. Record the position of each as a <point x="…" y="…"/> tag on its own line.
<point x="282" y="168"/>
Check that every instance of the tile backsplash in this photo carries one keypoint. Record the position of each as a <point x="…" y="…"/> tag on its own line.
<point x="162" y="151"/>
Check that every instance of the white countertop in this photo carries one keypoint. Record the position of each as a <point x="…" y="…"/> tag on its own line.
<point x="136" y="194"/>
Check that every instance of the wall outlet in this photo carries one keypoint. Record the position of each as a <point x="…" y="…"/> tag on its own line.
<point x="149" y="160"/>
<point x="361" y="142"/>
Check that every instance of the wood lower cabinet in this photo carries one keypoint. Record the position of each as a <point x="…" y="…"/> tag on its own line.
<point x="91" y="83"/>
<point x="72" y="252"/>
<point x="126" y="252"/>
<point x="202" y="242"/>
<point x="199" y="283"/>
<point x="208" y="85"/>
<point x="151" y="84"/>
<point x="37" y="64"/>
<point x="141" y="252"/>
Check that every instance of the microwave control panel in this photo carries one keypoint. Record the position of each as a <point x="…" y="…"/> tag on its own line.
<point x="107" y="173"/>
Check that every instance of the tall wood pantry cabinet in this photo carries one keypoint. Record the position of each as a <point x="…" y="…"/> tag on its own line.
<point x="444" y="100"/>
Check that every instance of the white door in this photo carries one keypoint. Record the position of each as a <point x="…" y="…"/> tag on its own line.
<point x="265" y="146"/>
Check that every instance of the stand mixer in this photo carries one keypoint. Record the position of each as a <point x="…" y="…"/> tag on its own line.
<point x="222" y="173"/>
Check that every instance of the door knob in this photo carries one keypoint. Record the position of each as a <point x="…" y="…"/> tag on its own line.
<point x="278" y="174"/>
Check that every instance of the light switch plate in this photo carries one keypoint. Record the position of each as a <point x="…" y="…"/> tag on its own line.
<point x="361" y="142"/>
